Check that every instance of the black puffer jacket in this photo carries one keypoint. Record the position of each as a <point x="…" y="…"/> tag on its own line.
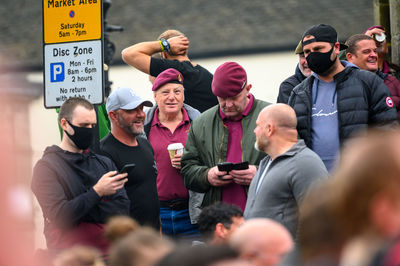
<point x="362" y="99"/>
<point x="288" y="85"/>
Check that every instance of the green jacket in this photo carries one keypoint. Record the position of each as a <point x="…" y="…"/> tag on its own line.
<point x="207" y="144"/>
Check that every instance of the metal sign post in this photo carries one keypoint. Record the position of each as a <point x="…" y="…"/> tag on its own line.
<point x="72" y="51"/>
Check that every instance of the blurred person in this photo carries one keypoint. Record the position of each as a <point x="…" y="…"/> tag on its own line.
<point x="319" y="241"/>
<point x="217" y="255"/>
<point x="223" y="134"/>
<point x="166" y="123"/>
<point x="173" y="47"/>
<point x="262" y="241"/>
<point x="218" y="221"/>
<point x="362" y="51"/>
<point x="143" y="247"/>
<point x="77" y="189"/>
<point x="301" y="73"/>
<point x="124" y="146"/>
<point x="338" y="95"/>
<point x="119" y="226"/>
<point x="79" y="256"/>
<point x="366" y="202"/>
<point x="286" y="173"/>
<point x="378" y="33"/>
<point x="16" y="205"/>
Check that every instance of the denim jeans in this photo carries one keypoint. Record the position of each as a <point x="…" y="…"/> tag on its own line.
<point x="177" y="224"/>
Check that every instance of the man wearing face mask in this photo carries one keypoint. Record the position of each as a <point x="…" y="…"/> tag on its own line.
<point x="338" y="95"/>
<point x="77" y="190"/>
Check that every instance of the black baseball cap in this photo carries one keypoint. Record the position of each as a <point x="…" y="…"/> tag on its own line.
<point x="322" y="33"/>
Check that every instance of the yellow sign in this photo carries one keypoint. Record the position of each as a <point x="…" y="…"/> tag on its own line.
<point x="71" y="20"/>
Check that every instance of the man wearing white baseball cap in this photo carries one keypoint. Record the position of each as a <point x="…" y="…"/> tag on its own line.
<point x="124" y="146"/>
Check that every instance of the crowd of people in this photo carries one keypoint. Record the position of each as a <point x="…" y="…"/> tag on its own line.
<point x="211" y="175"/>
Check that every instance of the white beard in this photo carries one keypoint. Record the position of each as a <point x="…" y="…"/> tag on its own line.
<point x="256" y="146"/>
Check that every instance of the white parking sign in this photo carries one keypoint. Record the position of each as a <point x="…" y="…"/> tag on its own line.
<point x="73" y="70"/>
<point x="73" y="51"/>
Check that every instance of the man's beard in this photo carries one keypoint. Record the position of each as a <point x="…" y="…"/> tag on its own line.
<point x="260" y="144"/>
<point x="130" y="127"/>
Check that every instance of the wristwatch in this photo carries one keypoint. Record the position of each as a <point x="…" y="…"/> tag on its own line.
<point x="165" y="45"/>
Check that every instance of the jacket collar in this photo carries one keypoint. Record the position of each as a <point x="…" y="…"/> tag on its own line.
<point x="298" y="146"/>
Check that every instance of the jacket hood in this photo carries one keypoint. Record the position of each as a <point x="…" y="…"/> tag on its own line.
<point x="74" y="160"/>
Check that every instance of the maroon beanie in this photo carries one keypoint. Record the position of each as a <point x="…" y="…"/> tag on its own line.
<point x="170" y="75"/>
<point x="375" y="27"/>
<point x="229" y="80"/>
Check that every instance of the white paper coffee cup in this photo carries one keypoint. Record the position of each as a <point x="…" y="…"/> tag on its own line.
<point x="175" y="148"/>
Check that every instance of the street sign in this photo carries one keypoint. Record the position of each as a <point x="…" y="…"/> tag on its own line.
<point x="71" y="20"/>
<point x="73" y="69"/>
<point x="72" y="51"/>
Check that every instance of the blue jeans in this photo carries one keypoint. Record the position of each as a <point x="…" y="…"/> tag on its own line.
<point x="177" y="224"/>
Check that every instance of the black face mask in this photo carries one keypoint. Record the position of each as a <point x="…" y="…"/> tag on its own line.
<point x="83" y="136"/>
<point x="320" y="62"/>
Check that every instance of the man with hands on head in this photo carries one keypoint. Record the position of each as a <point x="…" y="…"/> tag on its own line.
<point x="224" y="134"/>
<point x="173" y="47"/>
<point x="77" y="189"/>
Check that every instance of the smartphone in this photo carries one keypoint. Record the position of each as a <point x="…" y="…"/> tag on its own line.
<point x="127" y="168"/>
<point x="225" y="166"/>
<point x="241" y="166"/>
<point x="228" y="166"/>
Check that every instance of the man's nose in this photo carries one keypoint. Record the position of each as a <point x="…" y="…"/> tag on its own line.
<point x="228" y="103"/>
<point x="141" y="113"/>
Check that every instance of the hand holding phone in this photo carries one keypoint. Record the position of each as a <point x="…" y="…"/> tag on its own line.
<point x="127" y="168"/>
<point x="228" y="166"/>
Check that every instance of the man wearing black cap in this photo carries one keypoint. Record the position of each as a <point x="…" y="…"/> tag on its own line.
<point x="338" y="95"/>
<point x="124" y="146"/>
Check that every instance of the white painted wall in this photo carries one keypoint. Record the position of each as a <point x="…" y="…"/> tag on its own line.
<point x="265" y="72"/>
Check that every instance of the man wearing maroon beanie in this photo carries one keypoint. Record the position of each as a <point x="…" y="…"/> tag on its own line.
<point x="224" y="133"/>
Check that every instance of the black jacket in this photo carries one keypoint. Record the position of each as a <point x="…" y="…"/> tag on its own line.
<point x="63" y="184"/>
<point x="362" y="100"/>
<point x="288" y="85"/>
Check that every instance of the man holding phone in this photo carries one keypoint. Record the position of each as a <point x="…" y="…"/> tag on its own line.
<point x="125" y="147"/>
<point x="224" y="134"/>
<point x="77" y="189"/>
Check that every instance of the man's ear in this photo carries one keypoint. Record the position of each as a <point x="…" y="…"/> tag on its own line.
<point x="248" y="87"/>
<point x="269" y="129"/>
<point x="112" y="115"/>
<point x="337" y="48"/>
<point x="63" y="123"/>
<point x="220" y="231"/>
<point x="349" y="57"/>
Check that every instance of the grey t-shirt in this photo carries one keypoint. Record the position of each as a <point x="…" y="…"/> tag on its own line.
<point x="324" y="121"/>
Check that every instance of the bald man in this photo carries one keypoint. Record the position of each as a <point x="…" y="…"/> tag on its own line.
<point x="263" y="242"/>
<point x="286" y="173"/>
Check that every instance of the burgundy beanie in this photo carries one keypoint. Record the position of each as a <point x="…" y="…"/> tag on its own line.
<point x="170" y="75"/>
<point x="229" y="80"/>
<point x="375" y="27"/>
